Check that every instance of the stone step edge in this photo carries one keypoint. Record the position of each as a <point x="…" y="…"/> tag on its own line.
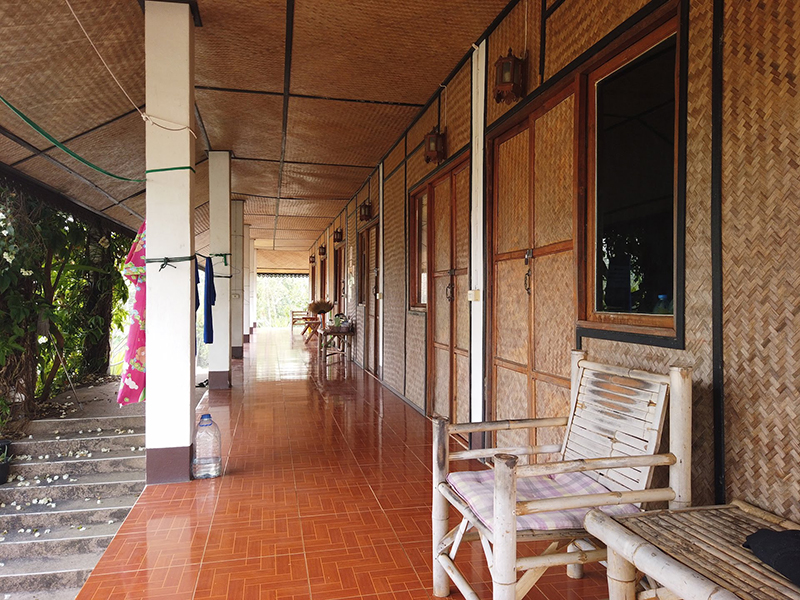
<point x="41" y="540"/>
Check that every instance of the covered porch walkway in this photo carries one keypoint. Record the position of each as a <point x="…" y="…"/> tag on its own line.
<point x="326" y="495"/>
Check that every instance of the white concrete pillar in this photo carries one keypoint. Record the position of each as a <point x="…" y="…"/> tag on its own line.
<point x="219" y="197"/>
<point x="237" y="277"/>
<point x="253" y="286"/>
<point x="169" y="77"/>
<point x="246" y="296"/>
<point x="478" y="219"/>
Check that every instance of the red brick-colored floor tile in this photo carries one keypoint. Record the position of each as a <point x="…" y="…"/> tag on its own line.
<point x="326" y="495"/>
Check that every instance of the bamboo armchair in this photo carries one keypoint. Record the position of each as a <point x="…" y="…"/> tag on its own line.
<point x="607" y="459"/>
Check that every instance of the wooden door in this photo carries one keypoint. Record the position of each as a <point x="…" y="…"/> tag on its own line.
<point x="533" y="305"/>
<point x="448" y="307"/>
<point x="323" y="279"/>
<point x="339" y="291"/>
<point x="372" y="312"/>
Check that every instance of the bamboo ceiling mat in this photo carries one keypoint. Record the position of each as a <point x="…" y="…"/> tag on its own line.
<point x="709" y="540"/>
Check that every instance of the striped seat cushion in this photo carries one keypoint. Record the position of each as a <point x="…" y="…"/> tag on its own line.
<point x="477" y="490"/>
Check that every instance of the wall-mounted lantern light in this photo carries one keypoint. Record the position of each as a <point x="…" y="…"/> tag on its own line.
<point x="509" y="83"/>
<point x="322" y="250"/>
<point x="365" y="211"/>
<point x="338" y="235"/>
<point x="312" y="259"/>
<point x="434" y="146"/>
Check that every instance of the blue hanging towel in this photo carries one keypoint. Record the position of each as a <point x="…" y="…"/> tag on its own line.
<point x="196" y="297"/>
<point x="211" y="299"/>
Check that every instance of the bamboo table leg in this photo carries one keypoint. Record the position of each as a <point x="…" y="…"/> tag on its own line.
<point x="621" y="578"/>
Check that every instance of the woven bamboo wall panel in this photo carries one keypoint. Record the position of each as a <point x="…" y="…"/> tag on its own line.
<point x="352" y="266"/>
<point x="441" y="308"/>
<point x="442" y="217"/>
<point x="462" y="209"/>
<point x="261" y="206"/>
<point x="513" y="203"/>
<point x="363" y="195"/>
<point x="761" y="254"/>
<point x="441" y="382"/>
<point x="554" y="174"/>
<point x="102" y="147"/>
<point x="320" y="181"/>
<point x="395" y="157"/>
<point x="511" y="311"/>
<point x="698" y="264"/>
<point x="551" y="401"/>
<point x="249" y="125"/>
<point x="576" y="25"/>
<point x="39" y="168"/>
<point x="232" y="47"/>
<point x="428" y="120"/>
<point x="554" y="312"/>
<point x="460" y="306"/>
<point x="511" y="34"/>
<point x="416" y="351"/>
<point x="461" y="388"/>
<point x="200" y="193"/>
<point x="393" y="50"/>
<point x="511" y="392"/>
<point x="360" y="331"/>
<point x="457" y="110"/>
<point x="348" y="133"/>
<point x="252" y="177"/>
<point x="394" y="282"/>
<point x="417" y="167"/>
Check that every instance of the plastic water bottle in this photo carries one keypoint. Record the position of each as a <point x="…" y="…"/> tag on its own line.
<point x="207" y="460"/>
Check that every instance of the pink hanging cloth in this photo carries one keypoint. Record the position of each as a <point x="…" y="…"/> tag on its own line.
<point x="132" y="387"/>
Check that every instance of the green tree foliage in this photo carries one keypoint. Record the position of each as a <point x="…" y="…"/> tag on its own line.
<point x="59" y="282"/>
<point x="278" y="296"/>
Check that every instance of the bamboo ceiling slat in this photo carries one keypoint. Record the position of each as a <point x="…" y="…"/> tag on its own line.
<point x="241" y="44"/>
<point x="259" y="206"/>
<point x="137" y="203"/>
<point x="404" y="62"/>
<point x="316" y="181"/>
<point x="41" y="169"/>
<point x="312" y="208"/>
<point x="249" y="125"/>
<point x="260" y="221"/>
<point x="49" y="71"/>
<point x="259" y="178"/>
<point x="123" y="216"/>
<point x="200" y="186"/>
<point x="118" y="148"/>
<point x="201" y="219"/>
<point x="11" y="152"/>
<point x="299" y="223"/>
<point x="271" y="260"/>
<point x="346" y="133"/>
<point x="298" y="234"/>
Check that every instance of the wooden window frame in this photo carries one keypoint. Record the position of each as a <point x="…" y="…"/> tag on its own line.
<point x="594" y="323"/>
<point x="362" y="267"/>
<point x="414" y="286"/>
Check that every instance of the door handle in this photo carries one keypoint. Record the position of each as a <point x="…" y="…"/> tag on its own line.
<point x="527" y="282"/>
<point x="450" y="292"/>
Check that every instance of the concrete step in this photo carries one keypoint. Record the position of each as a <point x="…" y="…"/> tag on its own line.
<point x="69" y="513"/>
<point x="66" y="425"/>
<point x="47" y="573"/>
<point x="61" y="546"/>
<point x="62" y="444"/>
<point x="60" y="594"/>
<point x="80" y="463"/>
<point x="104" y="485"/>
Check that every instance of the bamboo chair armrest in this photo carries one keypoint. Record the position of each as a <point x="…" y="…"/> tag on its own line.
<point x="507" y="425"/>
<point x="595" y="464"/>
<point x="518" y="451"/>
<point x="594" y="500"/>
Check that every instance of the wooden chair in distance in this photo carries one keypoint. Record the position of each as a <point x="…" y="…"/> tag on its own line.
<point x="607" y="459"/>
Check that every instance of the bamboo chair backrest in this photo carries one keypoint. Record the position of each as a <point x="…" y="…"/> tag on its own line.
<point x="616" y="412"/>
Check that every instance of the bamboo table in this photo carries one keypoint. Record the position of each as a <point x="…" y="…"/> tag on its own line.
<point x="695" y="553"/>
<point x="335" y="342"/>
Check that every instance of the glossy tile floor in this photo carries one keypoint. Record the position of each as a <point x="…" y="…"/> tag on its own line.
<point x="325" y="495"/>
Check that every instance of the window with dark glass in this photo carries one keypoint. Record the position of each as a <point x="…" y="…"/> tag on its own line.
<point x="632" y="222"/>
<point x="419" y="250"/>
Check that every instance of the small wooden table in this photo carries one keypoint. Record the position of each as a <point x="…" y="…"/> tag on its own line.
<point x="695" y="553"/>
<point x="335" y="342"/>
